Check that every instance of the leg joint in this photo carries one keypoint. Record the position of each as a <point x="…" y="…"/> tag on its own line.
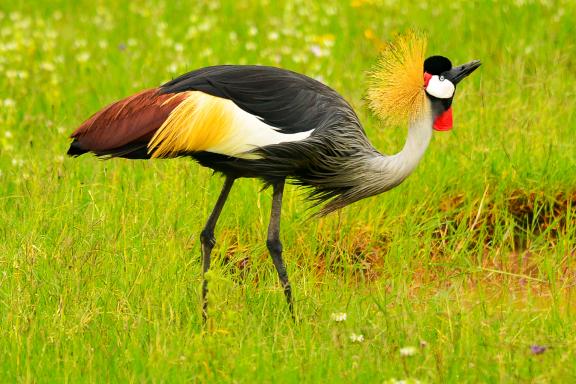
<point x="274" y="246"/>
<point x="207" y="238"/>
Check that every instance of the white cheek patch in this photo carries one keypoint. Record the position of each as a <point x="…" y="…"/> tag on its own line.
<point x="442" y="89"/>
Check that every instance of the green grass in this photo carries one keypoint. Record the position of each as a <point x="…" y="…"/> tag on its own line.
<point x="475" y="254"/>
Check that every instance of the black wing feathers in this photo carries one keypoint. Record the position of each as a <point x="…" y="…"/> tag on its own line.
<point x="286" y="100"/>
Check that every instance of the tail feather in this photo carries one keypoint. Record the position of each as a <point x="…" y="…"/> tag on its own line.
<point x="123" y="128"/>
<point x="75" y="149"/>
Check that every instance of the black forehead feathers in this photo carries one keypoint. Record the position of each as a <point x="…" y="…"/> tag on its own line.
<point x="436" y="65"/>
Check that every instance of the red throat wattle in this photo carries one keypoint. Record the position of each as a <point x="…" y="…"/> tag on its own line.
<point x="444" y="122"/>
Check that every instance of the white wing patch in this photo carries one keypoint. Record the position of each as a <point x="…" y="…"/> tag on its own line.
<point x="249" y="132"/>
<point x="203" y="122"/>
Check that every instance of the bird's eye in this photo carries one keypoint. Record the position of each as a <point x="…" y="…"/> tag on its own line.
<point x="441" y="78"/>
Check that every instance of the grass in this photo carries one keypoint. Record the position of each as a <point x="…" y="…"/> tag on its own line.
<point x="472" y="260"/>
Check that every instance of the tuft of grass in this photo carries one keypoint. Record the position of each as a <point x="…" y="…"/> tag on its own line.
<point x="451" y="277"/>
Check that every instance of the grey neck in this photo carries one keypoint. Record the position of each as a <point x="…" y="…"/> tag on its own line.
<point x="392" y="170"/>
<point x="374" y="173"/>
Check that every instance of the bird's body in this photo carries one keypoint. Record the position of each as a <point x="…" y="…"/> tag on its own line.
<point x="276" y="125"/>
<point x="281" y="124"/>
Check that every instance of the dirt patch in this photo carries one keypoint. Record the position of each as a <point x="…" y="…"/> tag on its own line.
<point x="522" y="215"/>
<point x="508" y="235"/>
<point x="534" y="211"/>
<point x="359" y="254"/>
<point x="503" y="236"/>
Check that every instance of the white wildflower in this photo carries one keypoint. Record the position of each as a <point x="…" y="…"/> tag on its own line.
<point x="15" y="16"/>
<point x="191" y="33"/>
<point x="161" y="27"/>
<point x="10" y="46"/>
<point x="172" y="68"/>
<point x="205" y="26"/>
<point x="301" y="58"/>
<point x="47" y="66"/>
<point x="408" y="351"/>
<point x="8" y="103"/>
<point x="253" y="31"/>
<point x="273" y="36"/>
<point x="206" y="52"/>
<point x="338" y="317"/>
<point x="8" y="134"/>
<point x="168" y="42"/>
<point x="23" y="24"/>
<point x="51" y="34"/>
<point x="83" y="57"/>
<point x="316" y="50"/>
<point x="287" y="31"/>
<point x="80" y="43"/>
<point x="48" y="45"/>
<point x="356" y="338"/>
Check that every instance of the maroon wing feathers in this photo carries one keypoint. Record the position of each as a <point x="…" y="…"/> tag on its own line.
<point x="133" y="119"/>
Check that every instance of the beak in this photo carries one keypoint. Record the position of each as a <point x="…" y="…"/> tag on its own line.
<point x="456" y="74"/>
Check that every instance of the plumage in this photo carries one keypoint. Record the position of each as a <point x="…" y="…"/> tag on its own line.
<point x="126" y="124"/>
<point x="283" y="99"/>
<point x="329" y="140"/>
<point x="396" y="91"/>
<point x="278" y="125"/>
<point x="206" y="123"/>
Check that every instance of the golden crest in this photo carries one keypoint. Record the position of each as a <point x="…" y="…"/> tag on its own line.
<point x="396" y="91"/>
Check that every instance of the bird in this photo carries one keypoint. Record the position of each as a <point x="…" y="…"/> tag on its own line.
<point x="251" y="121"/>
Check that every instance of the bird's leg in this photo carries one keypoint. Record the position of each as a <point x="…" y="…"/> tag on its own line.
<point x="275" y="246"/>
<point x="207" y="240"/>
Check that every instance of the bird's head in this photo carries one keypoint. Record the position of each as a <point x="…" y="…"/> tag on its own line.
<point x="440" y="80"/>
<point x="404" y="85"/>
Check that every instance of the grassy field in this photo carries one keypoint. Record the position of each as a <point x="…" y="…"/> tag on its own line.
<point x="464" y="273"/>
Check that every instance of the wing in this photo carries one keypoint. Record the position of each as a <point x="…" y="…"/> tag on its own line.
<point x="286" y="100"/>
<point x="229" y="110"/>
<point x="124" y="126"/>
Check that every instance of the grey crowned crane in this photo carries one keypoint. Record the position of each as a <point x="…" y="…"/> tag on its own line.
<point x="278" y="125"/>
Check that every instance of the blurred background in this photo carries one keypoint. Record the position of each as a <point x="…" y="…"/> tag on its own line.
<point x="473" y="254"/>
